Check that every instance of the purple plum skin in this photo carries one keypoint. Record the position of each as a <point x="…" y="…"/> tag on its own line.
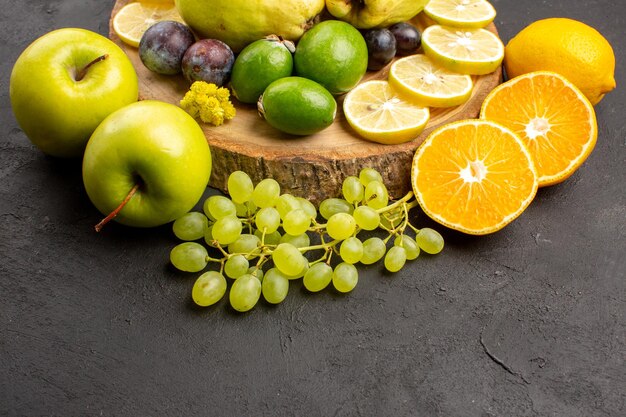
<point x="408" y="38"/>
<point x="163" y="45"/>
<point x="209" y="60"/>
<point x="381" y="48"/>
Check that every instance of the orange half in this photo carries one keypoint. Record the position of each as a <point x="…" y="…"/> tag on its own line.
<point x="474" y="176"/>
<point x="553" y="118"/>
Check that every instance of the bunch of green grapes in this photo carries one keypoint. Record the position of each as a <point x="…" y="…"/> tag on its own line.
<point x="262" y="239"/>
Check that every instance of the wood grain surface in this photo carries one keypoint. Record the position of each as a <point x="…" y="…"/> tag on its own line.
<point x="311" y="166"/>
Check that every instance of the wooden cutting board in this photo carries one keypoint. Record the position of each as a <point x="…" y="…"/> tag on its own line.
<point x="312" y="166"/>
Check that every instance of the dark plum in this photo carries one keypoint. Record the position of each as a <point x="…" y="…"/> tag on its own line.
<point x="163" y="45"/>
<point x="381" y="47"/>
<point x="408" y="38"/>
<point x="209" y="60"/>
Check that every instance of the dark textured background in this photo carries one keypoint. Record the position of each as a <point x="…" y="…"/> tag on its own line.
<point x="526" y="322"/>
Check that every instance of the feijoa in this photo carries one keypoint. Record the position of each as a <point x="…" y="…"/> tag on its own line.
<point x="258" y="64"/>
<point x="297" y="105"/>
<point x="334" y="54"/>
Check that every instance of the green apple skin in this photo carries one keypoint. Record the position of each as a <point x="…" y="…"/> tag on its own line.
<point x="57" y="112"/>
<point x="156" y="145"/>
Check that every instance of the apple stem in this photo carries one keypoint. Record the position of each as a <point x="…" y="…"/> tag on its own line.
<point x="81" y="74"/>
<point x="119" y="208"/>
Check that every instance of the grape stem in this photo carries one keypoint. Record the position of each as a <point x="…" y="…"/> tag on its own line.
<point x="415" y="229"/>
<point x="221" y="249"/>
<point x="396" y="204"/>
<point x="324" y="246"/>
<point x="261" y="261"/>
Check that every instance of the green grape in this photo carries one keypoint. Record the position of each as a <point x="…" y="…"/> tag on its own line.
<point x="246" y="209"/>
<point x="245" y="293"/>
<point x="366" y="218"/>
<point x="308" y="207"/>
<point x="256" y="272"/>
<point x="288" y="259"/>
<point x="226" y="230"/>
<point x="332" y="206"/>
<point x="275" y="287"/>
<point x="296" y="222"/>
<point x="352" y="190"/>
<point x="300" y="241"/>
<point x="218" y="206"/>
<point x="368" y="175"/>
<point x="240" y="187"/>
<point x="189" y="257"/>
<point x="298" y="275"/>
<point x="395" y="259"/>
<point x="245" y="244"/>
<point x="429" y="240"/>
<point x="409" y="245"/>
<point x="208" y="236"/>
<point x="345" y="277"/>
<point x="341" y="226"/>
<point x="235" y="266"/>
<point x="373" y="250"/>
<point x="351" y="250"/>
<point x="266" y="193"/>
<point x="301" y="273"/>
<point x="208" y="289"/>
<point x="376" y="195"/>
<point x="190" y="226"/>
<point x="275" y="271"/>
<point x="270" y="238"/>
<point x="267" y="219"/>
<point x="286" y="203"/>
<point x="318" y="277"/>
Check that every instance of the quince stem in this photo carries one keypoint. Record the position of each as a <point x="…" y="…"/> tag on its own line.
<point x="119" y="208"/>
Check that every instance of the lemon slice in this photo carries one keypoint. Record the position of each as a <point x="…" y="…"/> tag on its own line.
<point x="428" y="83"/>
<point x="134" y="19"/>
<point x="377" y="113"/>
<point x="461" y="13"/>
<point x="467" y="51"/>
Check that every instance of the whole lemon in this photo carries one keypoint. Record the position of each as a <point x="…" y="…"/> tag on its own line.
<point x="568" y="47"/>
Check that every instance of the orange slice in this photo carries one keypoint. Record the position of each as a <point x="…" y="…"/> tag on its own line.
<point x="553" y="118"/>
<point x="474" y="176"/>
<point x="132" y="20"/>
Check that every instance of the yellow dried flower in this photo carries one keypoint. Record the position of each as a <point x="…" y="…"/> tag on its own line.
<point x="209" y="103"/>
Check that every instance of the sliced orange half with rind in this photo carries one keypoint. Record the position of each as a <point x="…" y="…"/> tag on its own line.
<point x="378" y="113"/>
<point x="132" y="20"/>
<point x="429" y="83"/>
<point x="552" y="116"/>
<point x="474" y="176"/>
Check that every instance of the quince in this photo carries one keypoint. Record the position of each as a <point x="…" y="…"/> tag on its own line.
<point x="238" y="23"/>
<point x="365" y="14"/>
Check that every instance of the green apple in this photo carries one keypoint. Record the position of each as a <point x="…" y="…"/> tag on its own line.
<point x="65" y="83"/>
<point x="146" y="164"/>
